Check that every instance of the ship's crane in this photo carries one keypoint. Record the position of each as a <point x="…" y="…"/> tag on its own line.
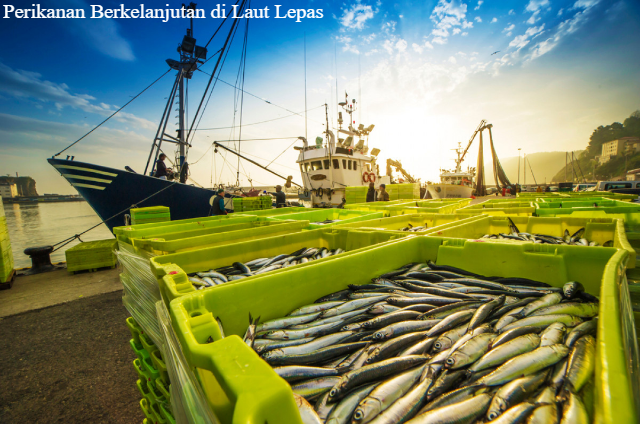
<point x="473" y="136"/>
<point x="399" y="168"/>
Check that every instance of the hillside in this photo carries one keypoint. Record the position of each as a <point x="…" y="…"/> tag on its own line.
<point x="544" y="165"/>
<point x="615" y="168"/>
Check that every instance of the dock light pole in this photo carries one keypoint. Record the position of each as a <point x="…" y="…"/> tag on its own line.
<point x="519" y="167"/>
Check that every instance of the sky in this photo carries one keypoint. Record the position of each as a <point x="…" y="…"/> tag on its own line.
<point x="545" y="73"/>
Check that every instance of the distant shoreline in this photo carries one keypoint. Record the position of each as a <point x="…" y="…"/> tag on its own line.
<point x="43" y="199"/>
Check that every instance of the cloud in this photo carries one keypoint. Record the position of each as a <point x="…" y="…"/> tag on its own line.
<point x="388" y="46"/>
<point x="401" y="45"/>
<point x="478" y="6"/>
<point x="456" y="31"/>
<point x="560" y="12"/>
<point x="389" y="27"/>
<point x="428" y="45"/>
<point x="478" y="19"/>
<point x="447" y="15"/>
<point x="347" y="44"/>
<point x="494" y="20"/>
<point x="452" y="60"/>
<point x="101" y="34"/>
<point x="30" y="85"/>
<point x="512" y="12"/>
<point x="534" y="7"/>
<point x="565" y="28"/>
<point x="21" y="133"/>
<point x="508" y="29"/>
<point x="417" y="48"/>
<point x="464" y="34"/>
<point x="354" y="18"/>
<point x="521" y="41"/>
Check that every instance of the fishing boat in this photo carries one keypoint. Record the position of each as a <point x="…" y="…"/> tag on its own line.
<point x="326" y="167"/>
<point x="459" y="183"/>
<point x="329" y="166"/>
<point x="112" y="192"/>
<point x="456" y="183"/>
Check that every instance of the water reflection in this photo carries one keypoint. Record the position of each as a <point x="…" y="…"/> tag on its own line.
<point x="43" y="224"/>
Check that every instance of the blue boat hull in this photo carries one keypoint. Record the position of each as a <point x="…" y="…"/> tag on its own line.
<point x="112" y="192"/>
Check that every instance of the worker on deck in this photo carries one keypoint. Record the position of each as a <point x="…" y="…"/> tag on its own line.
<point x="383" y="196"/>
<point x="281" y="198"/>
<point x="371" y="193"/>
<point x="161" y="168"/>
<point x="217" y="208"/>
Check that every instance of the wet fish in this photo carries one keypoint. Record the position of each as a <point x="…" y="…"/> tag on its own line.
<point x="307" y="413"/>
<point x="462" y="412"/>
<point x="526" y="364"/>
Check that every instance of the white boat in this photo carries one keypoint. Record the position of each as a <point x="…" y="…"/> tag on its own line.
<point x="330" y="165"/>
<point x="453" y="184"/>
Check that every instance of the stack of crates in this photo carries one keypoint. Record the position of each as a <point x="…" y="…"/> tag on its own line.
<point x="153" y="379"/>
<point x="6" y="257"/>
<point x="244" y="204"/>
<point x="403" y="191"/>
<point x="355" y="194"/>
<point x="150" y="214"/>
<point x="91" y="256"/>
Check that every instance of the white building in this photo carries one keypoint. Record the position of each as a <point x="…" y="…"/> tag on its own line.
<point x="8" y="190"/>
<point x="626" y="145"/>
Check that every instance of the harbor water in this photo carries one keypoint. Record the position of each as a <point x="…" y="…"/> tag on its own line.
<point x="44" y="224"/>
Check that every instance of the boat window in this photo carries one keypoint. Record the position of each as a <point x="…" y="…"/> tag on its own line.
<point x="638" y="185"/>
<point x="349" y="164"/>
<point x="619" y="185"/>
<point x="369" y="167"/>
<point x="327" y="164"/>
<point x="316" y="165"/>
<point x="336" y="164"/>
<point x="344" y="164"/>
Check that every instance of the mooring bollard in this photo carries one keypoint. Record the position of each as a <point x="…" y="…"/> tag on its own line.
<point x="40" y="260"/>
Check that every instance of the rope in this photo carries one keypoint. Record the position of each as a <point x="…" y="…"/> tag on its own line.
<point x="111" y="116"/>
<point x="261" y="122"/>
<point x="77" y="236"/>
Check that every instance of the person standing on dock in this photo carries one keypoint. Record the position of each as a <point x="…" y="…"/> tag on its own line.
<point x="217" y="208"/>
<point x="281" y="198"/>
<point x="371" y="193"/>
<point x="384" y="196"/>
<point x="161" y="168"/>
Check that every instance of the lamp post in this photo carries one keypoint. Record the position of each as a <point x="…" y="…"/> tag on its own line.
<point x="519" y="167"/>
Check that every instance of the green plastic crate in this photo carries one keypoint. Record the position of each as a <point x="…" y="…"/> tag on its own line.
<point x="167" y="414"/>
<point x="272" y="211"/>
<point x="91" y="255"/>
<point x="256" y="394"/>
<point x="145" y="405"/>
<point x="581" y="203"/>
<point x="596" y="229"/>
<point x="143" y="387"/>
<point x="318" y="215"/>
<point x="158" y="363"/>
<point x="433" y="222"/>
<point x="130" y="232"/>
<point x="498" y="211"/>
<point x="225" y="235"/>
<point x="157" y="413"/>
<point x="150" y="214"/>
<point x="171" y="270"/>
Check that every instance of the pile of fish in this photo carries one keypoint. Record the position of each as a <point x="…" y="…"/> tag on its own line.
<point x="326" y="221"/>
<point x="412" y="229"/>
<point x="435" y="344"/>
<point x="574" y="239"/>
<point x="239" y="270"/>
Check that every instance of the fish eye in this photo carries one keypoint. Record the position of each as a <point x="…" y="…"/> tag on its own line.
<point x="492" y="416"/>
<point x="437" y="345"/>
<point x="450" y="361"/>
<point x="358" y="415"/>
<point x="332" y="393"/>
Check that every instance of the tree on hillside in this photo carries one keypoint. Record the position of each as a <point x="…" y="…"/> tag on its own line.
<point x="603" y="134"/>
